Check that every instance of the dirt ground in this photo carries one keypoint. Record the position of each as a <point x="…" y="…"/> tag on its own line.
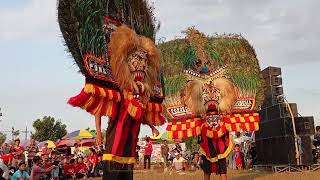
<point x="232" y="175"/>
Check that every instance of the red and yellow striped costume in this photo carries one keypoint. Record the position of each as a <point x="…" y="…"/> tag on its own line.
<point x="126" y="115"/>
<point x="216" y="142"/>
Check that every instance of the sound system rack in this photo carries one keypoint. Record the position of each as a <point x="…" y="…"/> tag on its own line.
<point x="275" y="143"/>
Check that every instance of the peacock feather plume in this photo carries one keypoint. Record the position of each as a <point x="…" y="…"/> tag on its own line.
<point x="232" y="51"/>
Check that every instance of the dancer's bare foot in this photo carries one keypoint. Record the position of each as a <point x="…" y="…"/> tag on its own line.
<point x="206" y="176"/>
<point x="223" y="176"/>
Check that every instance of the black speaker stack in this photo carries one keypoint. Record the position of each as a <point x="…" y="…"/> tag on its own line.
<point x="275" y="138"/>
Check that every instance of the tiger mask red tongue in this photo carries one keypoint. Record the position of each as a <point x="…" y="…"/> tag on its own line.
<point x="139" y="76"/>
<point x="212" y="106"/>
<point x="134" y="61"/>
<point x="138" y="64"/>
<point x="217" y="95"/>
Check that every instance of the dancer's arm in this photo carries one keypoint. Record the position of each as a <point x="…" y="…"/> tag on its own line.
<point x="98" y="128"/>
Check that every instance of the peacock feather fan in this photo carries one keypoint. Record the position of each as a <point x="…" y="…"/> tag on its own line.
<point x="82" y="24"/>
<point x="230" y="51"/>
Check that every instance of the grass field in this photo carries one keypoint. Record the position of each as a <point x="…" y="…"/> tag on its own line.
<point x="232" y="175"/>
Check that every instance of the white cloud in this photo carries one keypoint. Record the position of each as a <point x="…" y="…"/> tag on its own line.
<point x="282" y="32"/>
<point x="34" y="20"/>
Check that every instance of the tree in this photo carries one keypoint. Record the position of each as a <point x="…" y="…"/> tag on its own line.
<point x="191" y="143"/>
<point x="94" y="132"/>
<point x="3" y="138"/>
<point x="48" y="128"/>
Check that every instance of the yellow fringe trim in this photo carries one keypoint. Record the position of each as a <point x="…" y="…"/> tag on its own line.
<point x="132" y="110"/>
<point x="89" y="89"/>
<point x="210" y="133"/>
<point x="220" y="156"/>
<point x="118" y="159"/>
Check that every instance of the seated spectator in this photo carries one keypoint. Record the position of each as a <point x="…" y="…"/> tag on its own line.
<point x="86" y="162"/>
<point x="80" y="169"/>
<point x="178" y="163"/>
<point x="37" y="171"/>
<point x="178" y="148"/>
<point x="21" y="173"/>
<point x="69" y="169"/>
<point x="184" y="154"/>
<point x="171" y="155"/>
<point x="99" y="168"/>
<point x="196" y="161"/>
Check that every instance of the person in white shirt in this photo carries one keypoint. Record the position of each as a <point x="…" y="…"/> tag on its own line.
<point x="238" y="138"/>
<point x="178" y="162"/>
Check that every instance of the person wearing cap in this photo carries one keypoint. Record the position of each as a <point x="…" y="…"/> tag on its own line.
<point x="21" y="174"/>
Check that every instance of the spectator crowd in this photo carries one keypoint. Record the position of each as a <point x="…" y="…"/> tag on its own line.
<point x="32" y="162"/>
<point x="176" y="158"/>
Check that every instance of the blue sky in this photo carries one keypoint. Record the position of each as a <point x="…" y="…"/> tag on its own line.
<point x="38" y="76"/>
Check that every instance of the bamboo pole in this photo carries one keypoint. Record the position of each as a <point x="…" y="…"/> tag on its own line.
<point x="295" y="134"/>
